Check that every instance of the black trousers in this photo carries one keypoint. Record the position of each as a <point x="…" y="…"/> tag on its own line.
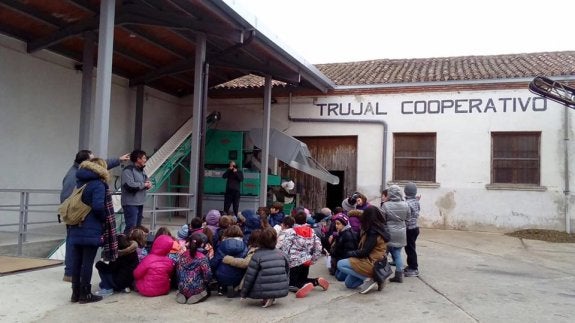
<point x="298" y="276"/>
<point x="232" y="197"/>
<point x="410" y="248"/>
<point x="83" y="262"/>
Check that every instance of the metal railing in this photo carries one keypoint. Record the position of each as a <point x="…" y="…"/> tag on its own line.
<point x="20" y="201"/>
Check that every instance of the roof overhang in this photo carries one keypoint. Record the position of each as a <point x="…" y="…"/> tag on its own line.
<point x="155" y="41"/>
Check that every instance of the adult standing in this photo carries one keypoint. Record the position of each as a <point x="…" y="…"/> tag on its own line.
<point x="97" y="229"/>
<point x="396" y="212"/>
<point x="135" y="183"/>
<point x="372" y="247"/>
<point x="233" y="177"/>
<point x="68" y="185"/>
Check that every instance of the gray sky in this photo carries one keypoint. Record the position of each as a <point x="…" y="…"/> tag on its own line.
<point x="331" y="31"/>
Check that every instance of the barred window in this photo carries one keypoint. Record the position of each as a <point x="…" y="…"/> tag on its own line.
<point x="414" y="157"/>
<point x="515" y="158"/>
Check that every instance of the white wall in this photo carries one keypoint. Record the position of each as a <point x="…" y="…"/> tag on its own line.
<point x="461" y="198"/>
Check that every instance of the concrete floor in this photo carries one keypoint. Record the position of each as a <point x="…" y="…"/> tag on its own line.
<point x="465" y="277"/>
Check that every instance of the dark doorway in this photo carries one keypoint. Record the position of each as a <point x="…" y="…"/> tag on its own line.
<point x="334" y="193"/>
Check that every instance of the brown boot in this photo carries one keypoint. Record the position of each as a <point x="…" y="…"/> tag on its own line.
<point x="398" y="278"/>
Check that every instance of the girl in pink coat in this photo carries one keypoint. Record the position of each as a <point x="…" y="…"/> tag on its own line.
<point x="153" y="274"/>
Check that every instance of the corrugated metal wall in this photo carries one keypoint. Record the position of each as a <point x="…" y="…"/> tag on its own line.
<point x="333" y="153"/>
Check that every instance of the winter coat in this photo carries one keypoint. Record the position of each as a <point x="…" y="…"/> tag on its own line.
<point x="355" y="220"/>
<point x="233" y="179"/>
<point x="396" y="212"/>
<point x="240" y="262"/>
<point x="69" y="180"/>
<point x="345" y="241"/>
<point x="276" y="218"/>
<point x="193" y="274"/>
<point x="251" y="223"/>
<point x="153" y="274"/>
<point x="122" y="268"/>
<point x="267" y="275"/>
<point x="302" y="247"/>
<point x="89" y="232"/>
<point x="413" y="203"/>
<point x="371" y="248"/>
<point x="228" y="275"/>
<point x="133" y="189"/>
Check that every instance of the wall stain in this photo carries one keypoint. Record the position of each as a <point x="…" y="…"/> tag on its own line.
<point x="446" y="204"/>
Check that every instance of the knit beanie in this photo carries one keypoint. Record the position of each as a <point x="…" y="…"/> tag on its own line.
<point x="341" y="218"/>
<point x="183" y="232"/>
<point x="410" y="189"/>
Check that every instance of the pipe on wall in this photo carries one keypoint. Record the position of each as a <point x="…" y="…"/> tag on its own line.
<point x="382" y="122"/>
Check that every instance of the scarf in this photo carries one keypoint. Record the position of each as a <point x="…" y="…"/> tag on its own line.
<point x="110" y="252"/>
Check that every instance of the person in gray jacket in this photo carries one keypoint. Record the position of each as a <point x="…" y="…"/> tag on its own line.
<point x="396" y="212"/>
<point x="68" y="185"/>
<point x="267" y="276"/>
<point x="135" y="183"/>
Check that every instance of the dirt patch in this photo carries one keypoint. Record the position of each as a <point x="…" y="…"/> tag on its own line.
<point x="544" y="235"/>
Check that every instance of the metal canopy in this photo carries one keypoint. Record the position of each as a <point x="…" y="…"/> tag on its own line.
<point x="155" y="41"/>
<point x="294" y="153"/>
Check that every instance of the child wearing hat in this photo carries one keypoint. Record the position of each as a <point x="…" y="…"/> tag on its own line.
<point x="412" y="231"/>
<point x="345" y="240"/>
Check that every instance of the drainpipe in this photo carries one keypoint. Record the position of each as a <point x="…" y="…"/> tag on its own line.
<point x="382" y="122"/>
<point x="566" y="177"/>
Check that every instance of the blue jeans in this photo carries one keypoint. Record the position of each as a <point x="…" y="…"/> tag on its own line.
<point x="106" y="280"/>
<point x="353" y="279"/>
<point x="396" y="255"/>
<point x="133" y="215"/>
<point x="340" y="276"/>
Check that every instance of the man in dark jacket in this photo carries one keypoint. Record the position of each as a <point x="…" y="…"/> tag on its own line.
<point x="68" y="185"/>
<point x="233" y="186"/>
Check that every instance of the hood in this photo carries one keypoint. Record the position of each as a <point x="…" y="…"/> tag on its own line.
<point x="410" y="190"/>
<point x="89" y="171"/>
<point x="162" y="245"/>
<point x="213" y="217"/>
<point x="232" y="247"/>
<point x="252" y="219"/>
<point x="354" y="213"/>
<point x="304" y="231"/>
<point x="394" y="193"/>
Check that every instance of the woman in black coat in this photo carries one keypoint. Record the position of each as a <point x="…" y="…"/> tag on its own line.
<point x="267" y="276"/>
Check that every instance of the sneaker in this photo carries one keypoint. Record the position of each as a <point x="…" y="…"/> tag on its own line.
<point x="127" y="290"/>
<point x="367" y="286"/>
<point x="411" y="273"/>
<point x="197" y="298"/>
<point x="268" y="302"/>
<point x="293" y="289"/>
<point x="323" y="283"/>
<point x="67" y="278"/>
<point x="302" y="292"/>
<point x="180" y="298"/>
<point x="104" y="292"/>
<point x="220" y="290"/>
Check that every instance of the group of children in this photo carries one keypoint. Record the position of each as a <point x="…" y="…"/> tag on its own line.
<point x="261" y="255"/>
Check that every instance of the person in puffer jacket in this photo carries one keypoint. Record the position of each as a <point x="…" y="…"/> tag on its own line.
<point x="303" y="249"/>
<point x="345" y="240"/>
<point x="267" y="274"/>
<point x="153" y="274"/>
<point x="229" y="277"/>
<point x="397" y="213"/>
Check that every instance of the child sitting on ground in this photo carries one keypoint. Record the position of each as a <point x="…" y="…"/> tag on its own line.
<point x="285" y="229"/>
<point x="140" y="237"/>
<point x="243" y="263"/>
<point x="344" y="241"/>
<point x="153" y="274"/>
<point x="276" y="213"/>
<point x="267" y="274"/>
<point x="232" y="244"/>
<point x="194" y="273"/>
<point x="117" y="275"/>
<point x="303" y="249"/>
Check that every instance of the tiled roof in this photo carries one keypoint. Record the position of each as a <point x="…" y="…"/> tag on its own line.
<point x="393" y="71"/>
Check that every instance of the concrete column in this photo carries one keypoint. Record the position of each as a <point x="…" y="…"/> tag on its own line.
<point x="195" y="166"/>
<point x="86" y="101"/>
<point x="104" y="78"/>
<point x="266" y="140"/>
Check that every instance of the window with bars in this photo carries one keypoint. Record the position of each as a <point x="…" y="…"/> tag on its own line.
<point x="515" y="158"/>
<point x="414" y="157"/>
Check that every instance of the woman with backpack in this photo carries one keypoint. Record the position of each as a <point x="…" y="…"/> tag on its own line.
<point x="98" y="225"/>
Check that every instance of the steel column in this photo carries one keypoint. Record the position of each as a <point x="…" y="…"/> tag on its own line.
<point x="266" y="140"/>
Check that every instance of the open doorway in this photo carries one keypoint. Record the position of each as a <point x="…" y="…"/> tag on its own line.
<point x="334" y="193"/>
